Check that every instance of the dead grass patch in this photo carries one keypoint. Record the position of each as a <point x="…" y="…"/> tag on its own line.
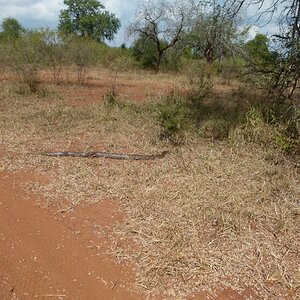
<point x="208" y="215"/>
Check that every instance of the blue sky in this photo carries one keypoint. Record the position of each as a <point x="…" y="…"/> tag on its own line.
<point x="42" y="13"/>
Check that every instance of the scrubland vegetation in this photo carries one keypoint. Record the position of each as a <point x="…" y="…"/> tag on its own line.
<point x="222" y="209"/>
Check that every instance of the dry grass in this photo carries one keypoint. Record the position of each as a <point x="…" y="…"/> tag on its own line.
<point x="207" y="216"/>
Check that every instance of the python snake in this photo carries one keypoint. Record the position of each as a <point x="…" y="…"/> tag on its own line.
<point x="107" y="155"/>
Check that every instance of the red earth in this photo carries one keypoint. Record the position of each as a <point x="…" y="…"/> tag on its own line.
<point x="45" y="253"/>
<point x="48" y="254"/>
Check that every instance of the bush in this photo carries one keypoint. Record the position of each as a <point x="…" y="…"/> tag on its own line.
<point x="145" y="53"/>
<point x="258" y="130"/>
<point x="198" y="77"/>
<point x="254" y="130"/>
<point x="107" y="55"/>
<point x="81" y="53"/>
<point x="215" y="128"/>
<point x="172" y="118"/>
<point x="54" y="52"/>
<point x="25" y="59"/>
<point x="231" y="68"/>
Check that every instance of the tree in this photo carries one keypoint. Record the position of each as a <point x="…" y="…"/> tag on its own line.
<point x="11" y="29"/>
<point x="25" y="59"/>
<point x="258" y="47"/>
<point x="81" y="53"/>
<point x="54" y="52"/>
<point x="286" y="76"/>
<point x="163" y="23"/>
<point x="213" y="35"/>
<point x="258" y="51"/>
<point x="261" y="64"/>
<point x="144" y="50"/>
<point x="88" y="18"/>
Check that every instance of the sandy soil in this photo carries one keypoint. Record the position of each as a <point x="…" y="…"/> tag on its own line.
<point x="46" y="255"/>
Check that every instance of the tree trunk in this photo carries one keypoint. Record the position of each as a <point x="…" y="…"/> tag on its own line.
<point x="158" y="62"/>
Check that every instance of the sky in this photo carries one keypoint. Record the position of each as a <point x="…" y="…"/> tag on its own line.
<point x="44" y="13"/>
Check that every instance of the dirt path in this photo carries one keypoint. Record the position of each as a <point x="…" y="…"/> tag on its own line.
<point x="43" y="256"/>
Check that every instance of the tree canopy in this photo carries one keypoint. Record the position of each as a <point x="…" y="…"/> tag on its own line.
<point x="11" y="28"/>
<point x="213" y="35"/>
<point x="162" y="22"/>
<point x="286" y="75"/>
<point x="88" y="18"/>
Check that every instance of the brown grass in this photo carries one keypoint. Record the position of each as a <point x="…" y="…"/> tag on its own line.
<point x="209" y="215"/>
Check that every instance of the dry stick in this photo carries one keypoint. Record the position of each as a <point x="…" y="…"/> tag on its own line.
<point x="114" y="284"/>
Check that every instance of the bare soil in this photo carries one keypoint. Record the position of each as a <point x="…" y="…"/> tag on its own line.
<point x="44" y="254"/>
<point x="56" y="254"/>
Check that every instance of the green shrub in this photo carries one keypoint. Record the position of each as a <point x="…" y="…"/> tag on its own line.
<point x="254" y="130"/>
<point x="54" y="51"/>
<point x="284" y="142"/>
<point x="231" y="68"/>
<point x="198" y="77"/>
<point x="172" y="115"/>
<point x="257" y="130"/>
<point x="111" y="98"/>
<point x="81" y="53"/>
<point x="25" y="60"/>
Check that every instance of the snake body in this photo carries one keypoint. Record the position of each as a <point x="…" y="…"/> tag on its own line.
<point x="106" y="155"/>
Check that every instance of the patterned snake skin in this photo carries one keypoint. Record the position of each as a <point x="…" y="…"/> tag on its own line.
<point x="107" y="155"/>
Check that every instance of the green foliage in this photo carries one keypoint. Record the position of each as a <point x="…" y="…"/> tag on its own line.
<point x="54" y="51"/>
<point x="261" y="63"/>
<point x="231" y="68"/>
<point x="25" y="59"/>
<point x="258" y="130"/>
<point x="119" y="64"/>
<point x="215" y="36"/>
<point x="172" y="117"/>
<point x="215" y="128"/>
<point x="144" y="50"/>
<point x="284" y="142"/>
<point x="198" y="74"/>
<point x="254" y="130"/>
<point x="258" y="50"/>
<point x="111" y="99"/>
<point x="11" y="29"/>
<point x="81" y="53"/>
<point x="87" y="18"/>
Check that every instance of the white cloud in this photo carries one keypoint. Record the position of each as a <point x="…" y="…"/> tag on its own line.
<point x="124" y="10"/>
<point x="42" y="13"/>
<point x="32" y="13"/>
<point x="120" y="8"/>
<point x="253" y="31"/>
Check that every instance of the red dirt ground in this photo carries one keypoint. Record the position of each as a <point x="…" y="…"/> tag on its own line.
<point x="48" y="255"/>
<point x="58" y="256"/>
<point x="45" y="255"/>
<point x="98" y="83"/>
